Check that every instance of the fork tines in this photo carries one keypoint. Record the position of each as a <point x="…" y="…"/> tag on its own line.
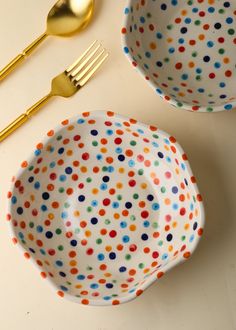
<point x="87" y="65"/>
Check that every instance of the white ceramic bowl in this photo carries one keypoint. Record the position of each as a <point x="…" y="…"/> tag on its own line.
<point x="185" y="50"/>
<point x="104" y="207"/>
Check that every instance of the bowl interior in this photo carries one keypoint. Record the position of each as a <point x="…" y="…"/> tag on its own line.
<point x="104" y="206"/>
<point x="185" y="49"/>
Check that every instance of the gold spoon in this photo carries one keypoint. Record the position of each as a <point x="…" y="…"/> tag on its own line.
<point x="64" y="19"/>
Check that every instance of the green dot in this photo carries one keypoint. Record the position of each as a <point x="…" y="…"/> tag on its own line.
<point x="132" y="217"/>
<point x="160" y="243"/>
<point x="194" y="54"/>
<point x="60" y="247"/>
<point x="156" y="163"/>
<point x="135" y="196"/>
<point x="119" y="197"/>
<point x="141" y="265"/>
<point x="231" y="32"/>
<point x="31" y="168"/>
<point x="190" y="2"/>
<point x="128" y="256"/>
<point x="197" y="22"/>
<point x="133" y="143"/>
<point x="58" y="231"/>
<point x="89" y="180"/>
<point x="69" y="283"/>
<point x="23" y="241"/>
<point x="99" y="241"/>
<point x="170" y="78"/>
<point x="140" y="172"/>
<point x="89" y="268"/>
<point x="179" y="104"/>
<point x="66" y="205"/>
<point x="149" y="15"/>
<point x="166" y="59"/>
<point x="61" y="190"/>
<point x="77" y="230"/>
<point x="155" y="225"/>
<point x="155" y="136"/>
<point x="221" y="11"/>
<point x="31" y="224"/>
<point x="198" y="77"/>
<point x="107" y="221"/>
<point x="170" y="26"/>
<point x="209" y="109"/>
<point x="163" y="190"/>
<point x="59" y="137"/>
<point x="104" y="169"/>
<point x="89" y="209"/>
<point x="221" y="51"/>
<point x="95" y="143"/>
<point x="183" y="238"/>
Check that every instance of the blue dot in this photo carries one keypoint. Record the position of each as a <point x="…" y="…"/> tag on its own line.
<point x="59" y="263"/>
<point x="101" y="256"/>
<point x="210" y="44"/>
<point x="123" y="224"/>
<point x="155" y="206"/>
<point x="211" y="9"/>
<point x="81" y="277"/>
<point x="39" y="229"/>
<point x="159" y="35"/>
<point x="229" y="20"/>
<point x="228" y="106"/>
<point x="126" y="50"/>
<point x="125" y="239"/>
<point x="94" y="286"/>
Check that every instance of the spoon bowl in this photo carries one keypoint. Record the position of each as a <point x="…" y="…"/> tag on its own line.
<point x="68" y="17"/>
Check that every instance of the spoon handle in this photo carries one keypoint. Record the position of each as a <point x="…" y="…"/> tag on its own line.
<point x="21" y="57"/>
<point x="18" y="122"/>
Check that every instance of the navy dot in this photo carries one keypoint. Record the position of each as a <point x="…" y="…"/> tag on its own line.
<point x="195" y="226"/>
<point x="49" y="234"/>
<point x="68" y="170"/>
<point x="144" y="237"/>
<point x="159" y="64"/>
<point x="128" y="205"/>
<point x="163" y="6"/>
<point x="109" y="285"/>
<point x="217" y="26"/>
<point x="174" y="190"/>
<point x="94" y="221"/>
<point x="81" y="198"/>
<point x="20" y="210"/>
<point x="45" y="196"/>
<point x="226" y="4"/>
<point x="94" y="132"/>
<point x="183" y="30"/>
<point x="122" y="269"/>
<point x="206" y="58"/>
<point x="160" y="155"/>
<point x="169" y="237"/>
<point x="112" y="255"/>
<point x="31" y="179"/>
<point x="62" y="274"/>
<point x="106" y="179"/>
<point x="150" y="198"/>
<point x="121" y="158"/>
<point x="61" y="150"/>
<point x="73" y="242"/>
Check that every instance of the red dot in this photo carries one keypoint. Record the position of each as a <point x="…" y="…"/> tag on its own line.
<point x="124" y="31"/>
<point x="144" y="214"/>
<point x="212" y="75"/>
<point x="182" y="211"/>
<point x="132" y="183"/>
<point x="228" y="73"/>
<point x="106" y="201"/>
<point x="221" y="40"/>
<point x="155" y="254"/>
<point x="112" y="233"/>
<point x="118" y="140"/>
<point x="133" y="247"/>
<point x="89" y="251"/>
<point x="85" y="156"/>
<point x="178" y="66"/>
<point x="51" y="252"/>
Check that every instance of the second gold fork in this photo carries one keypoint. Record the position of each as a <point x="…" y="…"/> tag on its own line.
<point x="66" y="84"/>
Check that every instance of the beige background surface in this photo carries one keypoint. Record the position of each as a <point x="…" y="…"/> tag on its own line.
<point x="198" y="294"/>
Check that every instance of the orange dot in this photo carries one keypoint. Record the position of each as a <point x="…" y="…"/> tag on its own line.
<point x="153" y="45"/>
<point x="132" y="227"/>
<point x="55" y="205"/>
<point x="85" y="301"/>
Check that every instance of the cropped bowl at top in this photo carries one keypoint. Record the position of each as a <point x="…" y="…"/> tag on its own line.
<point x="104" y="207"/>
<point x="185" y="50"/>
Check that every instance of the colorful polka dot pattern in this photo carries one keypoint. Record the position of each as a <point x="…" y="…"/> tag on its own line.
<point x="105" y="206"/>
<point x="185" y="50"/>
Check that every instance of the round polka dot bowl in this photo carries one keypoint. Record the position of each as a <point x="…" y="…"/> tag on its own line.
<point x="104" y="207"/>
<point x="185" y="50"/>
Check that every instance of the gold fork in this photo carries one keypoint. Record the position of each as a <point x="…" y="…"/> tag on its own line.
<point x="66" y="84"/>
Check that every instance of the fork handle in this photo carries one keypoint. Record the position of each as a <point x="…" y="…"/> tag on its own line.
<point x="18" y="122"/>
<point x="21" y="57"/>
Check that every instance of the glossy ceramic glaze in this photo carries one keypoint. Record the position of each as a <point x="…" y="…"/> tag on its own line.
<point x="185" y="50"/>
<point x="104" y="207"/>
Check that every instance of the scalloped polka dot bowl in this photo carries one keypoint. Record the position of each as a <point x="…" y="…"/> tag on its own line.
<point x="185" y="50"/>
<point x="104" y="207"/>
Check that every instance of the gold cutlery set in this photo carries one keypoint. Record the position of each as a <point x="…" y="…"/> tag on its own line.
<point x="66" y="18"/>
